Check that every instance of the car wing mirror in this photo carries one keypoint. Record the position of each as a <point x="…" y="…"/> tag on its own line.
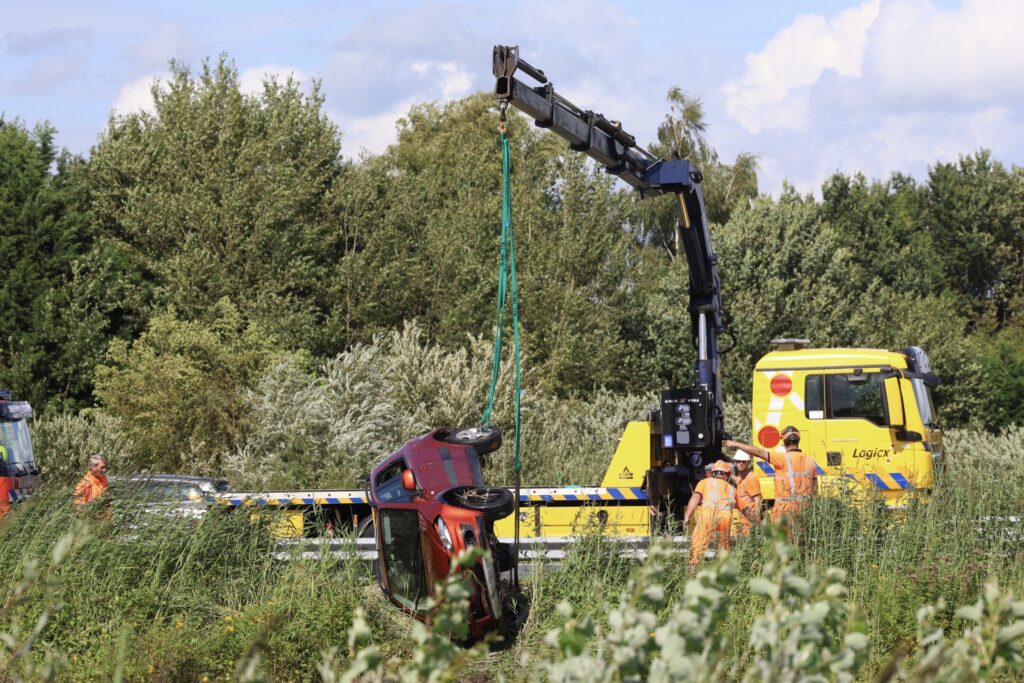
<point x="408" y="480"/>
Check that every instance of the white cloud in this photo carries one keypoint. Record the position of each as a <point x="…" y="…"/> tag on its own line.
<point x="137" y="96"/>
<point x="251" y="80"/>
<point x="897" y="56"/>
<point x="452" y="78"/>
<point x="437" y="51"/>
<point x="882" y="87"/>
<point x="370" y="133"/>
<point x="773" y="93"/>
<point x="972" y="56"/>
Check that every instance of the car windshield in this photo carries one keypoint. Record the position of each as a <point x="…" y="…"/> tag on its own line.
<point x="15" y="439"/>
<point x="402" y="558"/>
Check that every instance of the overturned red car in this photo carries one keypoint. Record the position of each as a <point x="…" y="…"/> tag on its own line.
<point x="430" y="503"/>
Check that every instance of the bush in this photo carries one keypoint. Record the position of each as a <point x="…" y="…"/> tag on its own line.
<point x="64" y="442"/>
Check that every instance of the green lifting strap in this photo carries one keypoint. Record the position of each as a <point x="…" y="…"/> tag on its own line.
<point x="506" y="282"/>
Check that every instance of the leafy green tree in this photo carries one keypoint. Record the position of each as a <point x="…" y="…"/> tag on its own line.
<point x="423" y="224"/>
<point x="177" y="389"/>
<point x="974" y="215"/>
<point x="1001" y="357"/>
<point x="43" y="230"/>
<point x="795" y="268"/>
<point x="222" y="194"/>
<point x="682" y="135"/>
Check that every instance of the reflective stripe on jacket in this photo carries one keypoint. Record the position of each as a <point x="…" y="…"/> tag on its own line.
<point x="795" y="474"/>
<point x="716" y="493"/>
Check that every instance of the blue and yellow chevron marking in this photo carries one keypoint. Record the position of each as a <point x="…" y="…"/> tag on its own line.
<point x="628" y="493"/>
<point x="264" y="501"/>
<point x="885" y="481"/>
<point x="888" y="481"/>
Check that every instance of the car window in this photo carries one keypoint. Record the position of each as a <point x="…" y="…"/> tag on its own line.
<point x="165" y="491"/>
<point x="814" y="397"/>
<point x="389" y="484"/>
<point x="402" y="557"/>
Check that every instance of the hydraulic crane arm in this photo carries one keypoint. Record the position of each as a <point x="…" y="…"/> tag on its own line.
<point x="607" y="143"/>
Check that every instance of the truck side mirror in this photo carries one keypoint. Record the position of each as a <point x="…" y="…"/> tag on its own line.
<point x="408" y="480"/>
<point x="894" y="402"/>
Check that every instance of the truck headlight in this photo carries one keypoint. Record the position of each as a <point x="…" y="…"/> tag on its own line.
<point x="442" y="531"/>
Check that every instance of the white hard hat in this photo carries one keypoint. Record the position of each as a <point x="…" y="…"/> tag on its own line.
<point x="740" y="456"/>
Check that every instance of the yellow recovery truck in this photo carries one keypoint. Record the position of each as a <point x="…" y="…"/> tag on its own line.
<point x="866" y="415"/>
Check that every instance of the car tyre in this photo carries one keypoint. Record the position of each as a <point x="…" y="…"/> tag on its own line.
<point x="494" y="503"/>
<point x="483" y="441"/>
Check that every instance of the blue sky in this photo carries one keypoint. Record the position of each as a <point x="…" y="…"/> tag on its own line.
<point x="809" y="87"/>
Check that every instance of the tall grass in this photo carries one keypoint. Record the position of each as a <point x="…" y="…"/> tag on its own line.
<point x="192" y="599"/>
<point x="167" y="598"/>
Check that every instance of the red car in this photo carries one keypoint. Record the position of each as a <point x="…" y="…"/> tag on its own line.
<point x="429" y="503"/>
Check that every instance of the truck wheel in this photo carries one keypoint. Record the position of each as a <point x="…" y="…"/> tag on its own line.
<point x="495" y="503"/>
<point x="482" y="440"/>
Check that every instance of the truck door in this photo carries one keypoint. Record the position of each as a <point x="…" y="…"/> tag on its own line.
<point x="856" y="430"/>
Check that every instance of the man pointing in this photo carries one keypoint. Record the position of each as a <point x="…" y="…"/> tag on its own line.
<point x="796" y="474"/>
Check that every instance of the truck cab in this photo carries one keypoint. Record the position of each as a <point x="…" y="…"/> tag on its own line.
<point x="19" y="474"/>
<point x="865" y="416"/>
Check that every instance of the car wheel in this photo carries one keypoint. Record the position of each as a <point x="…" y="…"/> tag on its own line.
<point x="482" y="440"/>
<point x="495" y="503"/>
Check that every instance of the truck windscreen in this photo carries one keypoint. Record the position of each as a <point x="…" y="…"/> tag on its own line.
<point x="924" y="402"/>
<point x="15" y="439"/>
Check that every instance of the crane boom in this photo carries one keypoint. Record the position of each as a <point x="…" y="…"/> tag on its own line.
<point x="691" y="419"/>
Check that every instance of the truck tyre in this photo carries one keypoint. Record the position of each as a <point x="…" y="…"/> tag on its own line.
<point x="482" y="440"/>
<point x="495" y="503"/>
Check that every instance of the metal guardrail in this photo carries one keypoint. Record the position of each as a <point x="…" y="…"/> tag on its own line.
<point x="551" y="549"/>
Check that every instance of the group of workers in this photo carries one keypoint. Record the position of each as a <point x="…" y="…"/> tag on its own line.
<point x="716" y="496"/>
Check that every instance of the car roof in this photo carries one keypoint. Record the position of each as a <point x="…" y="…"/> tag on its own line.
<point x="199" y="482"/>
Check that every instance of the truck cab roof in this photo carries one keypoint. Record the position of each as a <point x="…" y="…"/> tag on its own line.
<point x="839" y="359"/>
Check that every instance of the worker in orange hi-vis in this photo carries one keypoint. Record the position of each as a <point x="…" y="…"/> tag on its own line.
<point x="94" y="483"/>
<point x="796" y="474"/>
<point x="748" y="494"/>
<point x="713" y="500"/>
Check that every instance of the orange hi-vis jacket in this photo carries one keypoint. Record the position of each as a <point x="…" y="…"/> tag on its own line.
<point x="795" y="474"/>
<point x="90" y="487"/>
<point x="748" y="489"/>
<point x="717" y="498"/>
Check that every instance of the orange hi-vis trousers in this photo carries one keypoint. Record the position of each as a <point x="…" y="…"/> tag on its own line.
<point x="787" y="507"/>
<point x="710" y="520"/>
<point x="740" y="524"/>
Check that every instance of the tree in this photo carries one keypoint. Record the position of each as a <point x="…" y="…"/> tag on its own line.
<point x="682" y="136"/>
<point x="43" y="230"/>
<point x="222" y="194"/>
<point x="423" y="226"/>
<point x="974" y="215"/>
<point x="178" y="388"/>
